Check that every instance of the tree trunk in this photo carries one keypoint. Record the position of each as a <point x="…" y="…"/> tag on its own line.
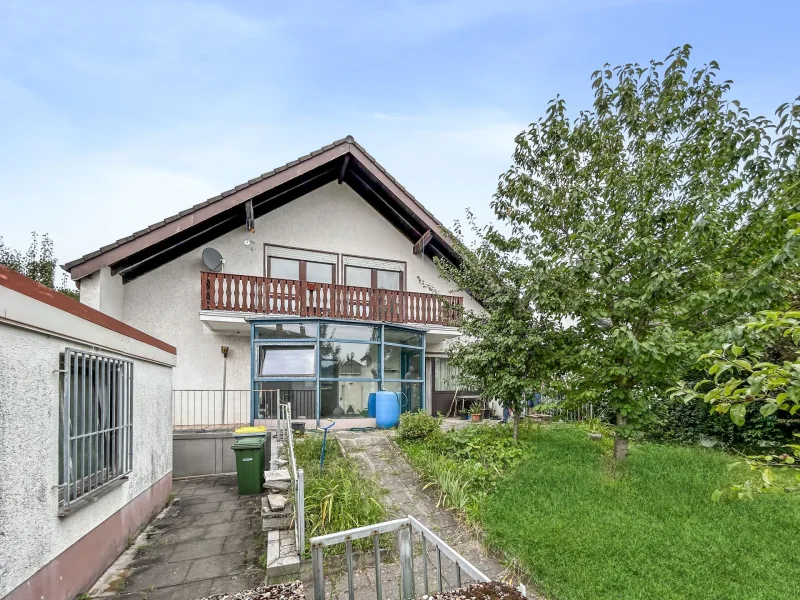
<point x="620" y="442"/>
<point x="516" y="424"/>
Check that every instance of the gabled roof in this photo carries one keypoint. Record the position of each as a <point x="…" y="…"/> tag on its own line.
<point x="344" y="161"/>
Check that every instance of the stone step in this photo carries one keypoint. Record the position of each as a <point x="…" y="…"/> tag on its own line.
<point x="277" y="523"/>
<point x="276" y="502"/>
<point x="282" y="557"/>
<point x="277" y="475"/>
<point x="277" y="486"/>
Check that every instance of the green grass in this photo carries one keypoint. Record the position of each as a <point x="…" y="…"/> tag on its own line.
<point x="584" y="529"/>
<point x="340" y="497"/>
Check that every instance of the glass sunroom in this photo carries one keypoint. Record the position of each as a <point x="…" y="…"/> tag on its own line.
<point x="327" y="369"/>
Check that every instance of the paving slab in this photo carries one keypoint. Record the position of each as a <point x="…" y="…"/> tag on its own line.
<point x="216" y="566"/>
<point x="195" y="549"/>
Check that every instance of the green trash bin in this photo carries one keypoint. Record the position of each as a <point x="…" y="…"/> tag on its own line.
<point x="249" y="453"/>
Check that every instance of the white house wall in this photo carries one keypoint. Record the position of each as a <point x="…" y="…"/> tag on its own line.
<point x="165" y="302"/>
<point x="31" y="533"/>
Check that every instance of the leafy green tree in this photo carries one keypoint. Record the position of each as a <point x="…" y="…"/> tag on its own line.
<point x="648" y="222"/>
<point x="38" y="263"/>
<point x="506" y="350"/>
<point x="742" y="379"/>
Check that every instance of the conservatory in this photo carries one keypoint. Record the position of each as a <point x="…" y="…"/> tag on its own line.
<point x="327" y="369"/>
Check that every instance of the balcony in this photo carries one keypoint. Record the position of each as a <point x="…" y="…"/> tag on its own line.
<point x="270" y="296"/>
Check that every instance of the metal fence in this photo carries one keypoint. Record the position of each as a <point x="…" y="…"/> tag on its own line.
<point x="405" y="529"/>
<point x="286" y="444"/>
<point x="571" y="413"/>
<point x="96" y="423"/>
<point x="211" y="410"/>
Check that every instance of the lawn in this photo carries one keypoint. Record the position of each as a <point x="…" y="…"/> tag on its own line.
<point x="649" y="530"/>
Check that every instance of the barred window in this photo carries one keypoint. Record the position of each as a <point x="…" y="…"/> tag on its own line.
<point x="96" y="433"/>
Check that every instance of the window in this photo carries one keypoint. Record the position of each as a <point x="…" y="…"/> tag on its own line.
<point x="373" y="278"/>
<point x="286" y="331"/>
<point x="286" y="361"/>
<point x="96" y="433"/>
<point x="300" y="270"/>
<point x="445" y="375"/>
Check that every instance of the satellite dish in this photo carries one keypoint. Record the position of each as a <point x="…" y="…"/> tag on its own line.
<point x="213" y="260"/>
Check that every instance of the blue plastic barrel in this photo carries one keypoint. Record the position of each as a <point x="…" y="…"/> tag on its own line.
<point x="387" y="409"/>
<point x="371" y="406"/>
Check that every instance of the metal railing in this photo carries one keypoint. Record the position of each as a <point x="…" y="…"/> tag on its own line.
<point x="405" y="529"/>
<point x="96" y="424"/>
<point x="571" y="413"/>
<point x="223" y="410"/>
<point x="286" y="444"/>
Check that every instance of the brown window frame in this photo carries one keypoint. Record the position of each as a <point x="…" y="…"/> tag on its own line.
<point x="374" y="276"/>
<point x="303" y="264"/>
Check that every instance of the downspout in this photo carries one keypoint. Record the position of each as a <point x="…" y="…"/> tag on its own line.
<point x="224" y="377"/>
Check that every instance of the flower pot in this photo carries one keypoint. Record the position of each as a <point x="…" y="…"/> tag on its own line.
<point x="476" y="416"/>
<point x="465" y="416"/>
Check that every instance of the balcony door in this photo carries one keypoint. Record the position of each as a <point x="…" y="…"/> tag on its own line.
<point x="297" y="266"/>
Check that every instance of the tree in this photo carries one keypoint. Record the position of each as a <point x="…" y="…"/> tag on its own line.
<point x="507" y="350"/>
<point x="649" y="222"/>
<point x="741" y="379"/>
<point x="38" y="263"/>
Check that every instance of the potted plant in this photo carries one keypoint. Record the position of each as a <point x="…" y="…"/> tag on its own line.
<point x="476" y="409"/>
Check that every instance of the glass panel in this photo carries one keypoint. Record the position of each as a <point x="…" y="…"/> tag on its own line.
<point x="319" y="272"/>
<point x="388" y="280"/>
<point x="284" y="268"/>
<point x="286" y="331"/>
<point x="402" y="336"/>
<point x="349" y="360"/>
<point x="446" y="375"/>
<point x="368" y="333"/>
<point x="402" y="363"/>
<point x="410" y="394"/>
<point x="300" y="394"/>
<point x="345" y="399"/>
<point x="358" y="276"/>
<point x="280" y="361"/>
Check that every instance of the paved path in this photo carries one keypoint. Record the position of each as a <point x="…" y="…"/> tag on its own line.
<point x="381" y="459"/>
<point x="207" y="542"/>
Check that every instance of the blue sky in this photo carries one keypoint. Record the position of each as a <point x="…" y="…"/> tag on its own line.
<point x="116" y="114"/>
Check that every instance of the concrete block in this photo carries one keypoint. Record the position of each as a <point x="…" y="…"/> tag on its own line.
<point x="276" y="502"/>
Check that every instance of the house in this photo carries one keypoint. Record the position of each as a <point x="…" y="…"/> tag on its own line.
<point x="318" y="286"/>
<point x="85" y="439"/>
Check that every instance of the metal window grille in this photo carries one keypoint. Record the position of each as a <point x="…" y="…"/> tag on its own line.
<point x="96" y="423"/>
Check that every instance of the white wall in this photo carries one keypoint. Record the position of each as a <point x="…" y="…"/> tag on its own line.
<point x="31" y="533"/>
<point x="103" y="291"/>
<point x="165" y="302"/>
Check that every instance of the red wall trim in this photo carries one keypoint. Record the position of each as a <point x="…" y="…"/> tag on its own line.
<point x="24" y="285"/>
<point x="77" y="568"/>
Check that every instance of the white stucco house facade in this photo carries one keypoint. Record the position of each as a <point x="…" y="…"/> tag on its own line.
<point x="327" y="292"/>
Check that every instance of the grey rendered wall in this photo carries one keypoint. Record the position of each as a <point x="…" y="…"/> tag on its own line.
<point x="166" y="302"/>
<point x="31" y="533"/>
<point x="196" y="454"/>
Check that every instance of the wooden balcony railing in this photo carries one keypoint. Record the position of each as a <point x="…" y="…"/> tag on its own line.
<point x="267" y="295"/>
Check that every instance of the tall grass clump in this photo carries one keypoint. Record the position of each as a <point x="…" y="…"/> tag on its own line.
<point x="339" y="497"/>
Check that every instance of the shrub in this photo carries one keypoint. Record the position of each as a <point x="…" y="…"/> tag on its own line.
<point x="418" y="427"/>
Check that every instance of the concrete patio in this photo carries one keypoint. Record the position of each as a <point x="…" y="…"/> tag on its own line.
<point x="208" y="541"/>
